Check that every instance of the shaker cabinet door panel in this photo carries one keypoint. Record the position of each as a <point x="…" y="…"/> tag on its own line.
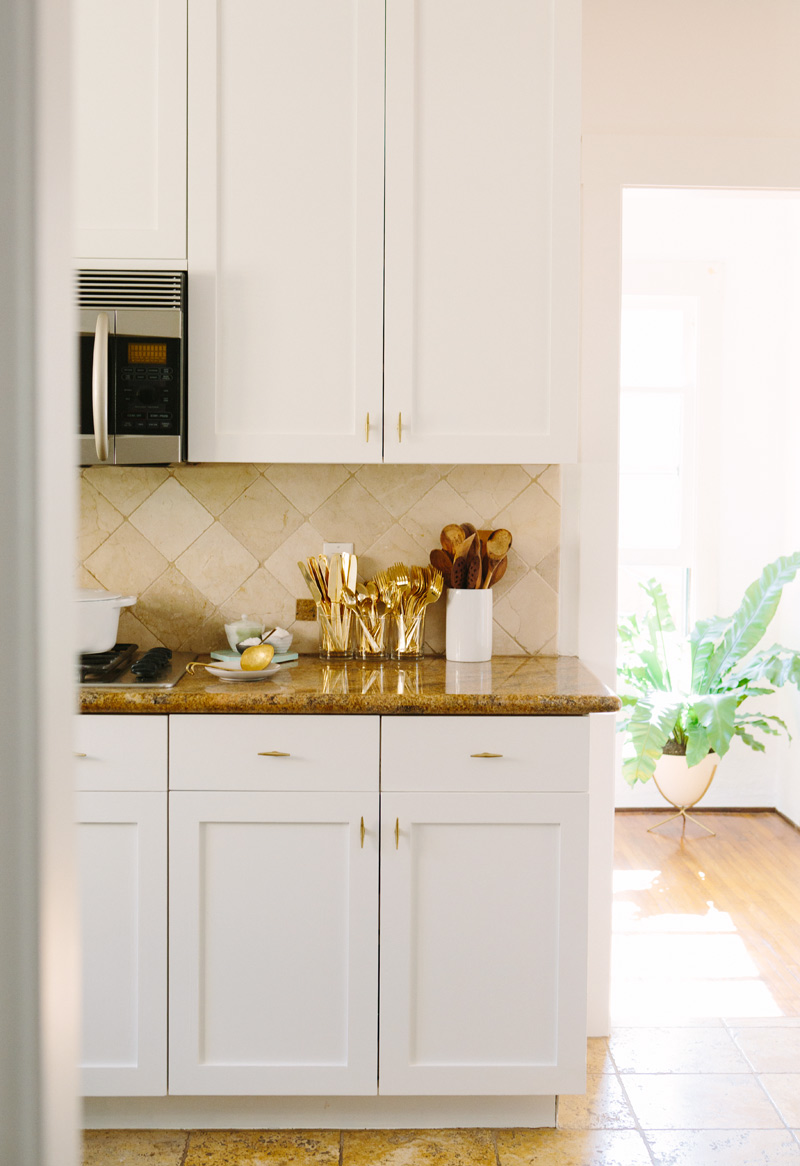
<point x="483" y="943"/>
<point x="285" y="229"/>
<point x="122" y="863"/>
<point x="273" y="943"/>
<point x="130" y="129"/>
<point x="482" y="230"/>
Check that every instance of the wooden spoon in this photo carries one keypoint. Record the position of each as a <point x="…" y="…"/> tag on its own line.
<point x="451" y="538"/>
<point x="498" y="544"/>
<point x="442" y="562"/>
<point x="483" y="536"/>
<point x="459" y="572"/>
<point x="468" y="529"/>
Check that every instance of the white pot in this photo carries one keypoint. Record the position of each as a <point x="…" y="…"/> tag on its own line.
<point x="468" y="627"/>
<point x="681" y="785"/>
<point x="98" y="618"/>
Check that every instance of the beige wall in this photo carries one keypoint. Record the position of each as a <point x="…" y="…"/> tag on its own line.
<point x="202" y="544"/>
<point x="712" y="68"/>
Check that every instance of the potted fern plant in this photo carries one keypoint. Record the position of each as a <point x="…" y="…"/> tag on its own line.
<point x="684" y="704"/>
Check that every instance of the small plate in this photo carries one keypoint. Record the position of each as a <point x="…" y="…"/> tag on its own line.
<point x="226" y="655"/>
<point x="238" y="674"/>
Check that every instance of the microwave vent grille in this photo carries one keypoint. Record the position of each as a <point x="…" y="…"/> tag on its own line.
<point x="130" y="289"/>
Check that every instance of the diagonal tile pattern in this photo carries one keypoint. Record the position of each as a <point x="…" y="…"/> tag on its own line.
<point x="202" y="543"/>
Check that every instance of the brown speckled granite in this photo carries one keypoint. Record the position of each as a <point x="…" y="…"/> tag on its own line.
<point x="507" y="685"/>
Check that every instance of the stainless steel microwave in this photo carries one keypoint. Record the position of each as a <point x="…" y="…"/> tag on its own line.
<point x="132" y="327"/>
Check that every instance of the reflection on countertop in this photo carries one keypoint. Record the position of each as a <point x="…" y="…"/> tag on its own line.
<point x="505" y="685"/>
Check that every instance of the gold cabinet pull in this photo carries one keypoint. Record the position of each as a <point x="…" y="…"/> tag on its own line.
<point x="486" y="754"/>
<point x="363" y="832"/>
<point x="397" y="833"/>
<point x="274" y="753"/>
<point x="399" y="426"/>
<point x="366" y="429"/>
<point x="80" y="754"/>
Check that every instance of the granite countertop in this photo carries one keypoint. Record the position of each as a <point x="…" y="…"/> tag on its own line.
<point x="506" y="685"/>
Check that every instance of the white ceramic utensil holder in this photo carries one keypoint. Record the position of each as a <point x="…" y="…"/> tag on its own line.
<point x="468" y="627"/>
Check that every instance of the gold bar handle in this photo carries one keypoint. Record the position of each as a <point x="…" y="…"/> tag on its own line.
<point x="363" y="832"/>
<point x="399" y="426"/>
<point x="397" y="833"/>
<point x="274" y="753"/>
<point x="486" y="754"/>
<point x="80" y="754"/>
<point x="366" y="429"/>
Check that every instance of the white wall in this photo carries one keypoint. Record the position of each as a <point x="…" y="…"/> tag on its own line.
<point x="702" y="93"/>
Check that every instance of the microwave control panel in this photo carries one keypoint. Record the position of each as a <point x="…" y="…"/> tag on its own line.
<point x="149" y="382"/>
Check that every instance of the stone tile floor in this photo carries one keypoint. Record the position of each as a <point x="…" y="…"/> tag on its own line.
<point x="712" y="1093"/>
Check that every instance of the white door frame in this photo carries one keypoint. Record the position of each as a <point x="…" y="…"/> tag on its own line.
<point x="588" y="586"/>
<point x="38" y="919"/>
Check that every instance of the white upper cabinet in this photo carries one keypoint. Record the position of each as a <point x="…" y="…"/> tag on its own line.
<point x="482" y="230"/>
<point x="464" y="116"/>
<point x="285" y="238"/>
<point x="130" y="130"/>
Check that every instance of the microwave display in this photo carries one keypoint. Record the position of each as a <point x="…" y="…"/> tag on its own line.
<point x="141" y="353"/>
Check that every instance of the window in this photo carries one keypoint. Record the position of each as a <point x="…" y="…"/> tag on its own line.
<point x="658" y="378"/>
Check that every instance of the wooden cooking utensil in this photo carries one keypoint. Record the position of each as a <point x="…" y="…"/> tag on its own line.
<point x="498" y="543"/>
<point x="483" y="537"/>
<point x="459" y="572"/>
<point x="497" y="572"/>
<point x="468" y="529"/>
<point x="463" y="549"/>
<point x="442" y="562"/>
<point x="473" y="579"/>
<point x="451" y="538"/>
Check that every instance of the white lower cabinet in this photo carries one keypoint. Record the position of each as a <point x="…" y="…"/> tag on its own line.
<point x="483" y="949"/>
<point x="122" y="866"/>
<point x="473" y="828"/>
<point x="273" y="943"/>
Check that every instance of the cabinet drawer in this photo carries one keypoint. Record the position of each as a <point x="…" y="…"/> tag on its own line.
<point x="120" y="754"/>
<point x="274" y="752"/>
<point x="533" y="754"/>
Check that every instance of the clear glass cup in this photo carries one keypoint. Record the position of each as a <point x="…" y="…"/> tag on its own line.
<point x="335" y="631"/>
<point x="372" y="637"/>
<point x="408" y="635"/>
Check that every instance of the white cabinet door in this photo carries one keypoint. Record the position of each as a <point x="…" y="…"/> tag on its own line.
<point x="122" y="848"/>
<point x="285" y="230"/>
<point x="273" y="943"/>
<point x="130" y="129"/>
<point x="483" y="943"/>
<point x="482" y="230"/>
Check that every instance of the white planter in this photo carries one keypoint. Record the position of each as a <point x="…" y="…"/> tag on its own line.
<point x="468" y="628"/>
<point x="679" y="784"/>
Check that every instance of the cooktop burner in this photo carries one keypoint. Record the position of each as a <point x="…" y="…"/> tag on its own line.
<point x="125" y="667"/>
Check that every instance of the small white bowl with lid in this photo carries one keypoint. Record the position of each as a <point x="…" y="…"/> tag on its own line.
<point x="98" y="618"/>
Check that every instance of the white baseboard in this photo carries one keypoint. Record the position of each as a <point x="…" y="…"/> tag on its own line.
<point x="170" y="1113"/>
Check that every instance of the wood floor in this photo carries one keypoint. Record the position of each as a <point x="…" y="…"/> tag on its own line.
<point x="706" y="926"/>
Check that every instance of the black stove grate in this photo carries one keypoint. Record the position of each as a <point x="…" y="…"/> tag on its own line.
<point x="96" y="665"/>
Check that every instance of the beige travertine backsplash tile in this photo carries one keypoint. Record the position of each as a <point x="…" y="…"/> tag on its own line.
<point x="201" y="544"/>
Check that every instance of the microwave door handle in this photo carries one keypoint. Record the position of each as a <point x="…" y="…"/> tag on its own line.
<point x="100" y="386"/>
